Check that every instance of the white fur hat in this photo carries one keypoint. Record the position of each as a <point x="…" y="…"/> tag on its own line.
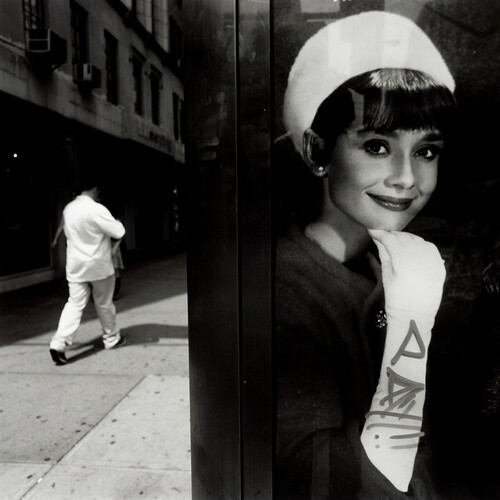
<point x="349" y="47"/>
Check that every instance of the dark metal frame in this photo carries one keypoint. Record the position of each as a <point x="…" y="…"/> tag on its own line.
<point x="228" y="93"/>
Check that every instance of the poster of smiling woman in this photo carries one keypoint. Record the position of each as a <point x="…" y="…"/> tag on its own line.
<point x="374" y="262"/>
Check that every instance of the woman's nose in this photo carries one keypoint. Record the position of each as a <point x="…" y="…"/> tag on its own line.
<point x="401" y="172"/>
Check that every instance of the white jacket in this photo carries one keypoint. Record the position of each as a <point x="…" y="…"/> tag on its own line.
<point x="88" y="227"/>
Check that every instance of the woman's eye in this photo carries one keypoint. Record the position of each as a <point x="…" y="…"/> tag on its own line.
<point x="376" y="148"/>
<point x="428" y="153"/>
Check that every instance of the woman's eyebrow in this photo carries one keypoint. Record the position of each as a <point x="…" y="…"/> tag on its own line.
<point x="434" y="135"/>
<point x="387" y="133"/>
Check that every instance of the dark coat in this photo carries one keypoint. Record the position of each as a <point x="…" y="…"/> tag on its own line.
<point x="328" y="356"/>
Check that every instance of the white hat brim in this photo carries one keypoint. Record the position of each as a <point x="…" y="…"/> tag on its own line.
<point x="347" y="48"/>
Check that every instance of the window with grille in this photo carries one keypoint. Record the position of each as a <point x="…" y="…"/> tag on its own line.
<point x="111" y="52"/>
<point x="175" y="40"/>
<point x="148" y="14"/>
<point x="79" y="20"/>
<point x="178" y="118"/>
<point x="153" y="6"/>
<point x="137" y="65"/>
<point x="155" y="83"/>
<point x="34" y="14"/>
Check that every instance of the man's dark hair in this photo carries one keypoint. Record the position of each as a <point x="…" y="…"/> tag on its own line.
<point x="90" y="182"/>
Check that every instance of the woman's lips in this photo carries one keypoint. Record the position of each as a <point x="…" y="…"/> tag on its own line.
<point x="390" y="203"/>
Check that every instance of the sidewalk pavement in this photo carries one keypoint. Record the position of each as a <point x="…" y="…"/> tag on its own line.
<point x="110" y="424"/>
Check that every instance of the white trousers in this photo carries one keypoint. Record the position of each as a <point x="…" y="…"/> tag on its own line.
<point x="71" y="316"/>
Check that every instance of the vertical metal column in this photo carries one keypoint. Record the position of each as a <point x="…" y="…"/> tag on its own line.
<point x="255" y="248"/>
<point x="228" y="81"/>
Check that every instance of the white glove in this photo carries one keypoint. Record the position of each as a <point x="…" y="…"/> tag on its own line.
<point x="413" y="272"/>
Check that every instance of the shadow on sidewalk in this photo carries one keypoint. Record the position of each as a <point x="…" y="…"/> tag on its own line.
<point x="149" y="333"/>
<point x="36" y="309"/>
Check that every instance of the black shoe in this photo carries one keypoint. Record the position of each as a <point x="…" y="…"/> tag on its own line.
<point x="58" y="357"/>
<point x="120" y="343"/>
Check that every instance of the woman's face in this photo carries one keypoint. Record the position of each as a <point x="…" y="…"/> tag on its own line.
<point x="382" y="180"/>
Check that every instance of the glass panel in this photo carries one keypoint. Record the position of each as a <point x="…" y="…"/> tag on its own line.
<point x="25" y="232"/>
<point x="365" y="131"/>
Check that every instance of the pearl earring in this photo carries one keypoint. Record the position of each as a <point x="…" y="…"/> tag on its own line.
<point x="319" y="171"/>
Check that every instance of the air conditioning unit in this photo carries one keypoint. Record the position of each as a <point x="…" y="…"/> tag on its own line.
<point x="38" y="41"/>
<point x="44" y="46"/>
<point x="87" y="74"/>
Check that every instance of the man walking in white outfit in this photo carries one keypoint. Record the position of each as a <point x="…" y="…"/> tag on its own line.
<point x="89" y="227"/>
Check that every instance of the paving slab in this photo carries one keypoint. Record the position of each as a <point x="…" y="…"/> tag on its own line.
<point x="42" y="416"/>
<point x="73" y="482"/>
<point x="141" y="449"/>
<point x="17" y="479"/>
<point x="148" y="429"/>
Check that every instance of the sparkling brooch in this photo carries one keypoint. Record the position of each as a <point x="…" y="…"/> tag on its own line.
<point x="381" y="319"/>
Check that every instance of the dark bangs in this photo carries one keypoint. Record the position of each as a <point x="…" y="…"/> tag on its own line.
<point x="386" y="100"/>
<point x="404" y="99"/>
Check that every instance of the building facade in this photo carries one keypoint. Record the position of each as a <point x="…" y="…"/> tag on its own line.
<point x="88" y="88"/>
